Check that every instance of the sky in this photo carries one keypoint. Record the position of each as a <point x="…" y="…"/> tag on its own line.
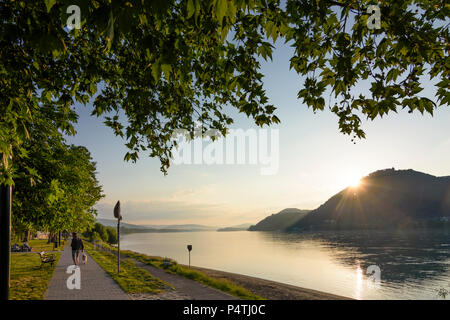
<point x="315" y="161"/>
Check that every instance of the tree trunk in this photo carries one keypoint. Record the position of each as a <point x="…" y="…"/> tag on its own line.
<point x="27" y="236"/>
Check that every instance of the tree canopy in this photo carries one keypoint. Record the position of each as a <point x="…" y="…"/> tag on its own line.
<point x="101" y="232"/>
<point x="165" y="64"/>
<point x="62" y="190"/>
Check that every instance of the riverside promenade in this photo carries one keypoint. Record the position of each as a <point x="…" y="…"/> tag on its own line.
<point x="96" y="284"/>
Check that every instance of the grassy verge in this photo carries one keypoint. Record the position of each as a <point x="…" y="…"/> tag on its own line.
<point x="39" y="245"/>
<point x="131" y="279"/>
<point x="174" y="268"/>
<point x="28" y="280"/>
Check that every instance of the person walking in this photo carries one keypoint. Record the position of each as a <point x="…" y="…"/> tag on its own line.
<point x="77" y="245"/>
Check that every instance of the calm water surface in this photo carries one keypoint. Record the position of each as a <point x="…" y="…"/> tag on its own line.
<point x="412" y="265"/>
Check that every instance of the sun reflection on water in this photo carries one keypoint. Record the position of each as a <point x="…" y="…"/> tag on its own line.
<point x="359" y="282"/>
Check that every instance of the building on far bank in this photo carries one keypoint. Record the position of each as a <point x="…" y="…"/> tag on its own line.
<point x="41" y="235"/>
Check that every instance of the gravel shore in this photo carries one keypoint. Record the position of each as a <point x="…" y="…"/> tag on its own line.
<point x="271" y="290"/>
<point x="165" y="295"/>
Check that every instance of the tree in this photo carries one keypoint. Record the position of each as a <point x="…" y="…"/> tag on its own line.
<point x="94" y="236"/>
<point x="166" y="64"/>
<point x="101" y="230"/>
<point x="112" y="235"/>
<point x="62" y="190"/>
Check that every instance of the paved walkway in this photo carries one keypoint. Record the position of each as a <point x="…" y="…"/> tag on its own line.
<point x="185" y="288"/>
<point x="96" y="284"/>
<point x="191" y="289"/>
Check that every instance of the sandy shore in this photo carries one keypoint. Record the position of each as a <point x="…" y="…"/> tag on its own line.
<point x="270" y="289"/>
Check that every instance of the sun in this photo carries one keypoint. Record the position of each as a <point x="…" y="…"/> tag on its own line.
<point x="352" y="179"/>
<point x="354" y="182"/>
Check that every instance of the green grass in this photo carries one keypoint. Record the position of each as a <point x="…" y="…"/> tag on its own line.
<point x="28" y="280"/>
<point x="173" y="267"/>
<point x="39" y="245"/>
<point x="131" y="279"/>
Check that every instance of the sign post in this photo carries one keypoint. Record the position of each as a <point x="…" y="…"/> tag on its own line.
<point x="118" y="216"/>
<point x="189" y="247"/>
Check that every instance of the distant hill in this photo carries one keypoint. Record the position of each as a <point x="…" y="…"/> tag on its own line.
<point x="190" y="227"/>
<point x="113" y="223"/>
<point x="281" y="220"/>
<point x="132" y="228"/>
<point x="240" y="227"/>
<point x="385" y="199"/>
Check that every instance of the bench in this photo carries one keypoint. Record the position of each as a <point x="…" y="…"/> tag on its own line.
<point x="17" y="248"/>
<point x="46" y="258"/>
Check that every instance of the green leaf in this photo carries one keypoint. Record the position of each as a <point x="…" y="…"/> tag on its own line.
<point x="110" y="30"/>
<point x="167" y="69"/>
<point x="156" y="70"/>
<point x="231" y="11"/>
<point x="221" y="9"/>
<point x="265" y="50"/>
<point x="190" y="8"/>
<point x="49" y="4"/>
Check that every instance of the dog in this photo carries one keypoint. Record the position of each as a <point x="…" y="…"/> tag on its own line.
<point x="84" y="258"/>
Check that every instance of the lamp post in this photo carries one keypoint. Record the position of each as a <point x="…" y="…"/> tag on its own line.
<point x="189" y="247"/>
<point x="118" y="216"/>
<point x="5" y="239"/>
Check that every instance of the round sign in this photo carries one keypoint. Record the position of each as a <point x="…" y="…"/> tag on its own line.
<point x="117" y="211"/>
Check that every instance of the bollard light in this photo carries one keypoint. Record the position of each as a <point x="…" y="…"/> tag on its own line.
<point x="189" y="247"/>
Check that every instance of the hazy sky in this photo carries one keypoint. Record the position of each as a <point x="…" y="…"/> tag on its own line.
<point x="315" y="161"/>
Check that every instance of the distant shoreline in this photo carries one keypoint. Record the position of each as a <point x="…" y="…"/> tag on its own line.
<point x="269" y="289"/>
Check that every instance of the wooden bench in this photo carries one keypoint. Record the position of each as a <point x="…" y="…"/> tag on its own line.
<point x="47" y="258"/>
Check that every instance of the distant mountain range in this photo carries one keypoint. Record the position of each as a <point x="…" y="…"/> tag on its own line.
<point x="280" y="221"/>
<point x="385" y="199"/>
<point x="134" y="228"/>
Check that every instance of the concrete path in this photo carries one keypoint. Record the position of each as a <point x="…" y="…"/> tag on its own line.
<point x="96" y="284"/>
<point x="185" y="288"/>
<point x="191" y="289"/>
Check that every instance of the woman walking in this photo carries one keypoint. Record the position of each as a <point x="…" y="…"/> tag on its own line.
<point x="77" y="245"/>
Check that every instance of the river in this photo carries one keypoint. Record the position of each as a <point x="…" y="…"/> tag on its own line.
<point x="411" y="264"/>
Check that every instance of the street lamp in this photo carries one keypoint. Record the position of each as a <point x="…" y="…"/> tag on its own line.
<point x="5" y="234"/>
<point x="118" y="216"/>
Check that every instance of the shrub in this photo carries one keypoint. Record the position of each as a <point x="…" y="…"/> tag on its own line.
<point x="112" y="235"/>
<point x="94" y="236"/>
<point x="101" y="230"/>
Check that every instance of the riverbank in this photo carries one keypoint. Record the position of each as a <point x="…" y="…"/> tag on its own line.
<point x="239" y="285"/>
<point x="257" y="287"/>
<point x="268" y="289"/>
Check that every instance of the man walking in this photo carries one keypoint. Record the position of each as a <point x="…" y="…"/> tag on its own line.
<point x="77" y="245"/>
